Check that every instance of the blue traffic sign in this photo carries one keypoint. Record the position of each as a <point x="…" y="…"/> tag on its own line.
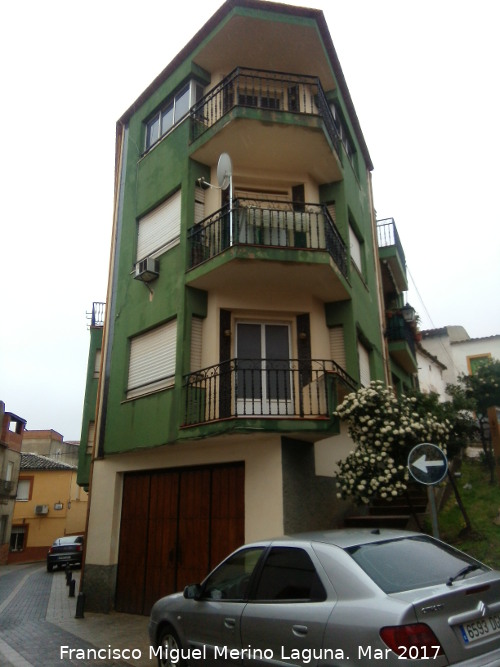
<point x="427" y="463"/>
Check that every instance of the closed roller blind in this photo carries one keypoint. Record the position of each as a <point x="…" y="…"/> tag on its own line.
<point x="364" y="365"/>
<point x="337" y="347"/>
<point x="355" y="248"/>
<point x="160" y="227"/>
<point x="152" y="359"/>
<point x="196" y="343"/>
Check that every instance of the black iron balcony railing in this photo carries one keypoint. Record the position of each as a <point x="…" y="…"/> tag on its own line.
<point x="387" y="235"/>
<point x="251" y="388"/>
<point x="7" y="488"/>
<point x="400" y="330"/>
<point x="265" y="90"/>
<point x="270" y="224"/>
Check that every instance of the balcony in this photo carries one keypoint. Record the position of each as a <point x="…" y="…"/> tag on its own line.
<point x="273" y="231"/>
<point x="7" y="488"/>
<point x="283" y="120"/>
<point x="392" y="257"/>
<point x="248" y="389"/>
<point x="401" y="339"/>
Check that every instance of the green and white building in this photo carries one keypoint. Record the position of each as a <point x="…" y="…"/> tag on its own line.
<point x="246" y="298"/>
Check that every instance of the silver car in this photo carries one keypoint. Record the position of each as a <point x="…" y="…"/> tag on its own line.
<point x="340" y="598"/>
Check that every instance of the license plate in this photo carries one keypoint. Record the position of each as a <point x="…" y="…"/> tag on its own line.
<point x="64" y="558"/>
<point x="483" y="627"/>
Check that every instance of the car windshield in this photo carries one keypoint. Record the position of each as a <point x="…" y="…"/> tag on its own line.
<point x="408" y="563"/>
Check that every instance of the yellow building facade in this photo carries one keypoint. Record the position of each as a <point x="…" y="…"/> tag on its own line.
<point x="49" y="504"/>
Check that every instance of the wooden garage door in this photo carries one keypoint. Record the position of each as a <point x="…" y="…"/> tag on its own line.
<point x="176" y="525"/>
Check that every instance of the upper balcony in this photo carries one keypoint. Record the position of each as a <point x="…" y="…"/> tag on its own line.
<point x="271" y="120"/>
<point x="401" y="336"/>
<point x="298" y="241"/>
<point x="392" y="257"/>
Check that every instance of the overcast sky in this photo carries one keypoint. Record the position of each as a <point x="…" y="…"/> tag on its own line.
<point x="423" y="77"/>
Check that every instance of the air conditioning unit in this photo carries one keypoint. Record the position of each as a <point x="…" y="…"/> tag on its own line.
<point x="147" y="270"/>
<point x="41" y="509"/>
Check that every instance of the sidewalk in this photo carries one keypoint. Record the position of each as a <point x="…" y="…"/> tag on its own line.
<point x="115" y="630"/>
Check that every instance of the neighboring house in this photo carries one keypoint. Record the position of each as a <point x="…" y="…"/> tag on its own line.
<point x="49" y="504"/>
<point x="460" y="353"/>
<point x="49" y="443"/>
<point x="11" y="437"/>
<point x="246" y="298"/>
<point x="431" y="373"/>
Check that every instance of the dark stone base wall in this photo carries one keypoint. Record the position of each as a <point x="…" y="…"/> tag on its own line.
<point x="309" y="501"/>
<point x="98" y="586"/>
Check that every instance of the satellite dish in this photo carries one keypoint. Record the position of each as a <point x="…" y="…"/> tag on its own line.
<point x="224" y="171"/>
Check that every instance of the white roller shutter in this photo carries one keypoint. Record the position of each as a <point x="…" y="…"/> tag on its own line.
<point x="337" y="347"/>
<point x="364" y="365"/>
<point x="152" y="360"/>
<point x="199" y="205"/>
<point x="196" y="343"/>
<point x="355" y="248"/>
<point x="160" y="228"/>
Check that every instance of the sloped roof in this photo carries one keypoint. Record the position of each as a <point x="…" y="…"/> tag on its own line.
<point x="37" y="462"/>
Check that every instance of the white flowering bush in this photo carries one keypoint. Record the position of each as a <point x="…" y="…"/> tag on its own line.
<point x="384" y="429"/>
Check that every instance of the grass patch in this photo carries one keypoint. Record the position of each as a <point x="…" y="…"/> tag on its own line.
<point x="481" y="500"/>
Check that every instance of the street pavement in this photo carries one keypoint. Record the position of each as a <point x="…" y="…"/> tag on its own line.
<point x="38" y="627"/>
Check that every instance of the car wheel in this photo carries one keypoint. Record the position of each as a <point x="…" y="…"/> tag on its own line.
<point x="168" y="641"/>
<point x="50" y="567"/>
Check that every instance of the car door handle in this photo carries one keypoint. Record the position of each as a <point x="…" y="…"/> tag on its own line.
<point x="300" y="630"/>
<point x="230" y="623"/>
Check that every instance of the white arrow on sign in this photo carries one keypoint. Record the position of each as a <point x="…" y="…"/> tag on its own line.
<point x="423" y="465"/>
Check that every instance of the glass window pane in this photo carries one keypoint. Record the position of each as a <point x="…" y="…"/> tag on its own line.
<point x="289" y="574"/>
<point x="230" y="581"/>
<point x="181" y="104"/>
<point x="249" y="384"/>
<point x="152" y="132"/>
<point x="167" y="118"/>
<point x="406" y="564"/>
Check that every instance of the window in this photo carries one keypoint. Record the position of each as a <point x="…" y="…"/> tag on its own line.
<point x="24" y="489"/>
<point x="409" y="563"/>
<point x="364" y="365"/>
<point x="9" y="471"/>
<point x="17" y="537"/>
<point x="343" y="134"/>
<point x="160" y="229"/>
<point x="337" y="345"/>
<point x="355" y="248"/>
<point x="231" y="579"/>
<point x="90" y="437"/>
<point x="173" y="112"/>
<point x="474" y="363"/>
<point x="289" y="574"/>
<point x="152" y="360"/>
<point x="97" y="363"/>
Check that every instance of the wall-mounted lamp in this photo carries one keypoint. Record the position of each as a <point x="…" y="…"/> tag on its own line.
<point x="303" y="335"/>
<point x="227" y="333"/>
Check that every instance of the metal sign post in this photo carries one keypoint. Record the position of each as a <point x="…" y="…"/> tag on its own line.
<point x="428" y="465"/>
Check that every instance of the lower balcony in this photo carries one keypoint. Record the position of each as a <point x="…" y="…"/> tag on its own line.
<point x="7" y="488"/>
<point x="249" y="389"/>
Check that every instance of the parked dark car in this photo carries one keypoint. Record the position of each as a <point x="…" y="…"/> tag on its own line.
<point x="343" y="598"/>
<point x="65" y="551"/>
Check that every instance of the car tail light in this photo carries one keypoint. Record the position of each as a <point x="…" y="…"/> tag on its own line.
<point x="50" y="550"/>
<point x="78" y="547"/>
<point x="415" y="641"/>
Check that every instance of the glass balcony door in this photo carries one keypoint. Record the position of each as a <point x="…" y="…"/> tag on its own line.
<point x="263" y="378"/>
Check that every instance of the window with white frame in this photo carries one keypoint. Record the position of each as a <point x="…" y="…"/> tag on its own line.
<point x="152" y="360"/>
<point x="23" y="490"/>
<point x="174" y="110"/>
<point x="160" y="229"/>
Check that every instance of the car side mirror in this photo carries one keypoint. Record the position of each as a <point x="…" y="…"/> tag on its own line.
<point x="192" y="592"/>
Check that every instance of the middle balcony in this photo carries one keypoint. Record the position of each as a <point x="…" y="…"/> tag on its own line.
<point x="299" y="243"/>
